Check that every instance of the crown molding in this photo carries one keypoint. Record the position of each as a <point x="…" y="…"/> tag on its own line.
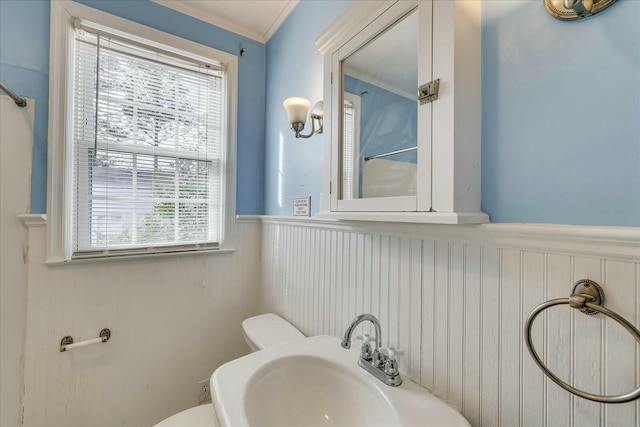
<point x="342" y="29"/>
<point x="280" y="19"/>
<point x="213" y="19"/>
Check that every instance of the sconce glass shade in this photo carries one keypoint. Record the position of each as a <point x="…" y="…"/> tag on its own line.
<point x="297" y="109"/>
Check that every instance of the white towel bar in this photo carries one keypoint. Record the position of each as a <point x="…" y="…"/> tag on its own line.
<point x="67" y="342"/>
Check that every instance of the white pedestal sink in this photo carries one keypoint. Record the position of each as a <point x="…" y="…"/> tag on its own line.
<point x="315" y="382"/>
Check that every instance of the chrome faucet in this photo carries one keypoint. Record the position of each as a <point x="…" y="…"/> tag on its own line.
<point x="379" y="362"/>
<point x="346" y="340"/>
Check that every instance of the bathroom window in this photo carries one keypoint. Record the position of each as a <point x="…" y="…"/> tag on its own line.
<point x="147" y="149"/>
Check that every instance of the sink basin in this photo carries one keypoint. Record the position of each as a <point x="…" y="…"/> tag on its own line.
<point x="315" y="382"/>
<point x="309" y="391"/>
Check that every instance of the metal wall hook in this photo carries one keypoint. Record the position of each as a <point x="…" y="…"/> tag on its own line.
<point x="570" y="10"/>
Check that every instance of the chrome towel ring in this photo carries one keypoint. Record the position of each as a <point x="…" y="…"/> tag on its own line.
<point x="588" y="297"/>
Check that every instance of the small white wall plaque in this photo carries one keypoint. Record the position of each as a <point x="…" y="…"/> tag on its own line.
<point x="301" y="206"/>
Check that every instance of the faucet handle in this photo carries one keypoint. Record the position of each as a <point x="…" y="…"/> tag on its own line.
<point x="391" y="352"/>
<point x="365" y="338"/>
<point x="366" y="352"/>
<point x="391" y="365"/>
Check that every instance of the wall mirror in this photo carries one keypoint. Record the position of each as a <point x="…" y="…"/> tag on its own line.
<point x="395" y="149"/>
<point x="380" y="114"/>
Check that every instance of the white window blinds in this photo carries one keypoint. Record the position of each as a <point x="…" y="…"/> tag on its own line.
<point x="148" y="152"/>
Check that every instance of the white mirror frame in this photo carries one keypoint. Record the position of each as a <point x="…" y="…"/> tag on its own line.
<point x="449" y="177"/>
<point x="382" y="204"/>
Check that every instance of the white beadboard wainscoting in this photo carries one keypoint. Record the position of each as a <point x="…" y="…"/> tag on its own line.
<point x="16" y="145"/>
<point x="173" y="320"/>
<point x="456" y="298"/>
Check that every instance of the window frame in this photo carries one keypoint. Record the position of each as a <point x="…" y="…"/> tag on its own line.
<point x="60" y="147"/>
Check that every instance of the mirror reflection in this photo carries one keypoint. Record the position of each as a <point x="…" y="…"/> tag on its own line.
<point x="379" y="129"/>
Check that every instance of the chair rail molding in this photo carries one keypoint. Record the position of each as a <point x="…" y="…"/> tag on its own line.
<point x="33" y="220"/>
<point x="621" y="243"/>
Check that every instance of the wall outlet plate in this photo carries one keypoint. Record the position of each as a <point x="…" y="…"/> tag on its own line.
<point x="205" y="395"/>
<point x="205" y="392"/>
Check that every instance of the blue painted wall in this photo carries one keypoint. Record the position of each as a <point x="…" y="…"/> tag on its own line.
<point x="293" y="167"/>
<point x="561" y="113"/>
<point x="24" y="67"/>
<point x="561" y="106"/>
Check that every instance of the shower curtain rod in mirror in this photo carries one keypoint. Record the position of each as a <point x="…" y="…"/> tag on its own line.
<point x="20" y="102"/>
<point x="390" y="153"/>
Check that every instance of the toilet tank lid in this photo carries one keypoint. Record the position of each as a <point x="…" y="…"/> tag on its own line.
<point x="268" y="330"/>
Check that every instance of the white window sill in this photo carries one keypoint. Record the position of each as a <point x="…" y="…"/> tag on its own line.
<point x="40" y="220"/>
<point x="72" y="261"/>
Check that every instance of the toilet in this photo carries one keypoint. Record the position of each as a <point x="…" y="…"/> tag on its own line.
<point x="260" y="332"/>
<point x="268" y="330"/>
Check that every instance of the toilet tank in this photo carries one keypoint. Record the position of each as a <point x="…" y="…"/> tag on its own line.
<point x="268" y="330"/>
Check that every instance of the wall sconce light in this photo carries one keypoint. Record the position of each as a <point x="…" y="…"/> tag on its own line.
<point x="297" y="112"/>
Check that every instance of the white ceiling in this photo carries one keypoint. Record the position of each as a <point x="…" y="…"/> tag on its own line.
<point x="259" y="20"/>
<point x="255" y="19"/>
